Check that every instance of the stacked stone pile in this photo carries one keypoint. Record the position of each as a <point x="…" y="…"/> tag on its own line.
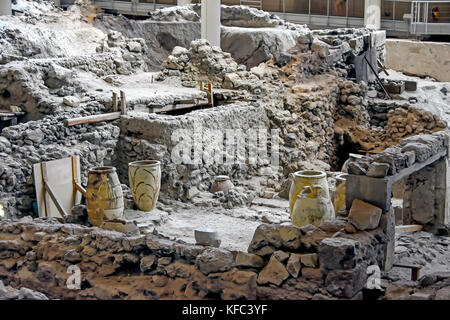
<point x="415" y="149"/>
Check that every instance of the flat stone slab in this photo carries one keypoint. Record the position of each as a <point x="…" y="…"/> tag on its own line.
<point x="271" y="203"/>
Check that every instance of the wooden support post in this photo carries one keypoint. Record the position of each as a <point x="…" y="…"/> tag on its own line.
<point x="74" y="179"/>
<point x="44" y="182"/>
<point x="210" y="95"/>
<point x="123" y="103"/>
<point x="114" y="102"/>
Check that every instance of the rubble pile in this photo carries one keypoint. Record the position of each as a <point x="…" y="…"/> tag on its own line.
<point x="55" y="56"/>
<point x="413" y="149"/>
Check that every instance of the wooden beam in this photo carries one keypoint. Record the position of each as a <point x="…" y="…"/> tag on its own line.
<point x="44" y="181"/>
<point x="81" y="189"/>
<point x="93" y="119"/>
<point x="49" y="190"/>
<point x="408" y="228"/>
<point x="382" y="67"/>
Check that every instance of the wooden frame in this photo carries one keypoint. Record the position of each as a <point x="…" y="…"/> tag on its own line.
<point x="58" y="187"/>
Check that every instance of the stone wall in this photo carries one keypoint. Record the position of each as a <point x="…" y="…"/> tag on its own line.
<point x="152" y="136"/>
<point x="425" y="200"/>
<point x="23" y="145"/>
<point x="419" y="58"/>
<point x="283" y="262"/>
<point x="423" y="161"/>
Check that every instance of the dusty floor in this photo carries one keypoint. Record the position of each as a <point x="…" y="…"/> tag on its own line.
<point x="431" y="94"/>
<point x="236" y="226"/>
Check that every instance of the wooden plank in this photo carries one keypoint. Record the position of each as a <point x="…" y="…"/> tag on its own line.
<point x="74" y="177"/>
<point x="407" y="266"/>
<point x="49" y="190"/>
<point x="382" y="67"/>
<point x="408" y="228"/>
<point x="173" y="107"/>
<point x="93" y="119"/>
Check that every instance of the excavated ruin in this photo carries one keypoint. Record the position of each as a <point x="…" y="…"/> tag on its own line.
<point x="299" y="85"/>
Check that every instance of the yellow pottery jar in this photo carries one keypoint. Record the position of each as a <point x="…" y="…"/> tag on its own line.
<point x="145" y="183"/>
<point x="339" y="194"/>
<point x="312" y="207"/>
<point x="301" y="179"/>
<point x="104" y="200"/>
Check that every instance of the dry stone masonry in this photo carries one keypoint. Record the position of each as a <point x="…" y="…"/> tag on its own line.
<point x="302" y="86"/>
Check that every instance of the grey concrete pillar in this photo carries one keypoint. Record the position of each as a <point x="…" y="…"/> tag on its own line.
<point x="57" y="3"/>
<point x="5" y="7"/>
<point x="211" y="21"/>
<point x="372" y="14"/>
<point x="183" y="2"/>
<point x="427" y="195"/>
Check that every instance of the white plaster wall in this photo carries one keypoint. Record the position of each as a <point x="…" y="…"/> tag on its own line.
<point x="419" y="58"/>
<point x="5" y="7"/>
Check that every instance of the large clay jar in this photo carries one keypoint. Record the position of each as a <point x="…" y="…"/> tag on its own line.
<point x="104" y="200"/>
<point x="221" y="183"/>
<point x="339" y="194"/>
<point x="312" y="207"/>
<point x="145" y="183"/>
<point x="301" y="179"/>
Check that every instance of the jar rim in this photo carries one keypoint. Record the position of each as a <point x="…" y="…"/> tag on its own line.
<point x="222" y="178"/>
<point x="147" y="163"/>
<point x="103" y="169"/>
<point x="310" y="174"/>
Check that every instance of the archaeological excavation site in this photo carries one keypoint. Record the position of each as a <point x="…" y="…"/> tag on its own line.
<point x="224" y="150"/>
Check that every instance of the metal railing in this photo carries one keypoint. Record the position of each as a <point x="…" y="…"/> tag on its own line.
<point x="430" y="18"/>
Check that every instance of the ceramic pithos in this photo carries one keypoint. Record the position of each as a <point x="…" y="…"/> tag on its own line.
<point x="339" y="194"/>
<point x="145" y="183"/>
<point x="221" y="183"/>
<point x="104" y="200"/>
<point x="312" y="207"/>
<point x="301" y="179"/>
